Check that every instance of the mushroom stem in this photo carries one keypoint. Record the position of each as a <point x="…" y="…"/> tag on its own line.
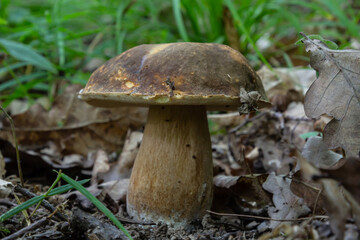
<point x="172" y="176"/>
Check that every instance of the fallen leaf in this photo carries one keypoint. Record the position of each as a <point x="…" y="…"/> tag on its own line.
<point x="122" y="167"/>
<point x="339" y="203"/>
<point x="281" y="80"/>
<point x="335" y="92"/>
<point x="72" y="126"/>
<point x="117" y="190"/>
<point x="297" y="123"/>
<point x="285" y="85"/>
<point x="337" y="206"/>
<point x="317" y="153"/>
<point x="240" y="192"/>
<point x="5" y="188"/>
<point x="224" y="120"/>
<point x="286" y="204"/>
<point x="276" y="155"/>
<point x="291" y="231"/>
<point x="249" y="101"/>
<point x="347" y="173"/>
<point x="101" y="165"/>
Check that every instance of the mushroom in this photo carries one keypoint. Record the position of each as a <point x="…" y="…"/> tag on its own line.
<point x="171" y="180"/>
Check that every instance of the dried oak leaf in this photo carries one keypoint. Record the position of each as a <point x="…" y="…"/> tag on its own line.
<point x="339" y="203"/>
<point x="286" y="204"/>
<point x="346" y="172"/>
<point x="318" y="154"/>
<point x="336" y="92"/>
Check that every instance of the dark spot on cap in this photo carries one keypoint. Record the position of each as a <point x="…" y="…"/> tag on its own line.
<point x="188" y="145"/>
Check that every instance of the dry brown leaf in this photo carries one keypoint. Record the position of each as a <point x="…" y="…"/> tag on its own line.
<point x="117" y="190"/>
<point x="281" y="80"/>
<point x="122" y="167"/>
<point x="299" y="125"/>
<point x="240" y="192"/>
<point x="286" y="204"/>
<point x="317" y="153"/>
<point x="340" y="204"/>
<point x="276" y="155"/>
<point x="337" y="206"/>
<point x="101" y="165"/>
<point x="73" y="126"/>
<point x="291" y="231"/>
<point x="128" y="154"/>
<point x="347" y="173"/>
<point x="336" y="92"/>
<point x="285" y="85"/>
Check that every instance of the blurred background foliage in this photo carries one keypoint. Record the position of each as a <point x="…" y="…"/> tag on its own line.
<point x="48" y="44"/>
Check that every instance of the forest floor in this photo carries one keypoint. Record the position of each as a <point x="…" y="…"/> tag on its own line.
<point x="259" y="188"/>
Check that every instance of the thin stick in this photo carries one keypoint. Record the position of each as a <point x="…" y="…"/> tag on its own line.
<point x="316" y="201"/>
<point x="23" y="231"/>
<point x="16" y="145"/>
<point x="44" y="203"/>
<point x="247" y="120"/>
<point x="46" y="194"/>
<point x="267" y="218"/>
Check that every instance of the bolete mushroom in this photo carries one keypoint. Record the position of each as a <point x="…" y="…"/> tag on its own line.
<point x="171" y="180"/>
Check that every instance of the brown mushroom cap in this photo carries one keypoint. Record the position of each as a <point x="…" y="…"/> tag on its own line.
<point x="202" y="73"/>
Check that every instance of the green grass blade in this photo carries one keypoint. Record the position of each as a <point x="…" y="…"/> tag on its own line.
<point x="119" y="33"/>
<point x="96" y="202"/>
<point x="179" y="21"/>
<point x="27" y="54"/>
<point x="25" y="78"/>
<point x="242" y="28"/>
<point x="34" y="200"/>
<point x="333" y="6"/>
<point x="12" y="67"/>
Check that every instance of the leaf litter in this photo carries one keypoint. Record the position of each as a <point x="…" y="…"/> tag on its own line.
<point x="336" y="92"/>
<point x="260" y="176"/>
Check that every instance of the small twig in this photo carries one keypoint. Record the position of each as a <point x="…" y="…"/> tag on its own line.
<point x="44" y="203"/>
<point x="247" y="120"/>
<point x="306" y="184"/>
<point x="24" y="230"/>
<point x="47" y="193"/>
<point x="7" y="203"/>
<point x="267" y="218"/>
<point x="316" y="201"/>
<point x="16" y="145"/>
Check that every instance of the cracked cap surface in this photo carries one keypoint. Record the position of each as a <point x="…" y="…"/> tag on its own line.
<point x="173" y="74"/>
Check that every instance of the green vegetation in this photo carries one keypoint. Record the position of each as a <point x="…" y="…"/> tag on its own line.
<point x="59" y="190"/>
<point x="38" y="199"/>
<point x="47" y="44"/>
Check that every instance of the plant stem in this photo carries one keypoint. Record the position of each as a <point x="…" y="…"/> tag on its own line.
<point x="16" y="145"/>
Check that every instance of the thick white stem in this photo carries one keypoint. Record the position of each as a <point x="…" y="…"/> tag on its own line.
<point x="172" y="176"/>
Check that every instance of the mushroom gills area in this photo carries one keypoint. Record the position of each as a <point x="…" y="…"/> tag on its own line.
<point x="172" y="176"/>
